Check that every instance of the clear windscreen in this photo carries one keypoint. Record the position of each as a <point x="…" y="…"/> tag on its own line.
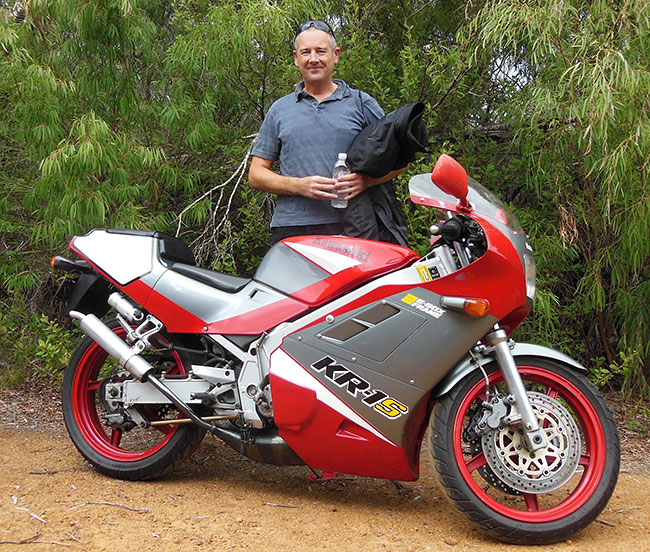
<point x="482" y="200"/>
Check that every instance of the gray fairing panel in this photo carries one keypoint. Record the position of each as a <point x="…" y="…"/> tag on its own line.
<point x="287" y="271"/>
<point x="403" y="355"/>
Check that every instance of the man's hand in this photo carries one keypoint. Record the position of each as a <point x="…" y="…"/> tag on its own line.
<point x="317" y="187"/>
<point x="262" y="177"/>
<point x="353" y="184"/>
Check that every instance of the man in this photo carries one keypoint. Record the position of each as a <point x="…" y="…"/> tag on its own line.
<point x="305" y="131"/>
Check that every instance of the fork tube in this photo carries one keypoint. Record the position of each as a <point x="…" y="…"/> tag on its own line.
<point x="534" y="436"/>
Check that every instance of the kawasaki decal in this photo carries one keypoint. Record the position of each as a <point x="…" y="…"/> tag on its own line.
<point x="374" y="398"/>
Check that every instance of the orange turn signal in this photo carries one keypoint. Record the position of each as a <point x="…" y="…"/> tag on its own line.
<point x="470" y="305"/>
<point x="476" y="307"/>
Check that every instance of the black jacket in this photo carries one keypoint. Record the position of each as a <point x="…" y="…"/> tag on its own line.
<point x="389" y="143"/>
<point x="386" y="145"/>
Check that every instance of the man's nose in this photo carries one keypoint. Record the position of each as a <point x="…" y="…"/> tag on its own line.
<point x="313" y="56"/>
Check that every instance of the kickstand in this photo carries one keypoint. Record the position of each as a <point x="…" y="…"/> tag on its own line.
<point x="315" y="476"/>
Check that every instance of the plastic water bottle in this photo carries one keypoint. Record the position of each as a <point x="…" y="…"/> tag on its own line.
<point x="341" y="168"/>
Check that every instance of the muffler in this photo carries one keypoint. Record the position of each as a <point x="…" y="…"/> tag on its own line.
<point x="128" y="357"/>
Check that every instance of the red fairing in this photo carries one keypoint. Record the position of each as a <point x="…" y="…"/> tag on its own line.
<point x="325" y="432"/>
<point x="259" y="320"/>
<point x="372" y="260"/>
<point x="497" y="276"/>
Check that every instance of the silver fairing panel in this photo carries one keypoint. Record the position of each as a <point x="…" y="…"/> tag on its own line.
<point x="210" y="304"/>
<point x="127" y="257"/>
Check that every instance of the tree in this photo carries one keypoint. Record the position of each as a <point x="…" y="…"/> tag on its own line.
<point x="128" y="113"/>
<point x="581" y="108"/>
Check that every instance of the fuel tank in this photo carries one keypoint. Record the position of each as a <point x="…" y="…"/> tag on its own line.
<point x="316" y="269"/>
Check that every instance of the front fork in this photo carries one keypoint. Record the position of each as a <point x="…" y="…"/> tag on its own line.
<point x="533" y="434"/>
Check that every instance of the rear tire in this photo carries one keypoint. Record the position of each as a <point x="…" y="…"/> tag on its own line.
<point x="516" y="515"/>
<point x="133" y="454"/>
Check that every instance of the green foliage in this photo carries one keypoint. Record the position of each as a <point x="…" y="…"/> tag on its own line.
<point x="121" y="113"/>
<point x="581" y="104"/>
<point x="34" y="345"/>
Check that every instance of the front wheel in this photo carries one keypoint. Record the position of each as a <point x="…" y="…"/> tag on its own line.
<point x="123" y="449"/>
<point x="517" y="495"/>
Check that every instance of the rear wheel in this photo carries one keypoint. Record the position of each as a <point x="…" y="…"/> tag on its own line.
<point x="517" y="495"/>
<point x="107" y="437"/>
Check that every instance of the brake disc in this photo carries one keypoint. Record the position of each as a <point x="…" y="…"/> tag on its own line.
<point x="543" y="470"/>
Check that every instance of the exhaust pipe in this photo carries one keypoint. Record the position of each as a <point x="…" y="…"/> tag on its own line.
<point x="127" y="357"/>
<point x="130" y="359"/>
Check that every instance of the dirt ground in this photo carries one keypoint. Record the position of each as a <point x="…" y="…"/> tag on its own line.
<point x="51" y="499"/>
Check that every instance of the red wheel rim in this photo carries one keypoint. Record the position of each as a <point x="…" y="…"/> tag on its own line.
<point x="87" y="419"/>
<point x="592" y="459"/>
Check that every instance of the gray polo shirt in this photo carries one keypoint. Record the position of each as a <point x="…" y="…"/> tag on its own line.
<point x="307" y="136"/>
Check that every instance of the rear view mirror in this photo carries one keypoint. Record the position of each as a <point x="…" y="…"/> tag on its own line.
<point x="450" y="176"/>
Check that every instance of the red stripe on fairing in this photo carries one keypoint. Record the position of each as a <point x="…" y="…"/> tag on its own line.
<point x="175" y="318"/>
<point x="178" y="320"/>
<point x="259" y="320"/>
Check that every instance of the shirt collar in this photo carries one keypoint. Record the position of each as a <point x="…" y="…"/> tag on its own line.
<point x="341" y="91"/>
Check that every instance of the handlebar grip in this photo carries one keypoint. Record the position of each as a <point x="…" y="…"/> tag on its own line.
<point x="450" y="230"/>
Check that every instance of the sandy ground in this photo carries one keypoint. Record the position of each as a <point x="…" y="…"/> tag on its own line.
<point x="51" y="499"/>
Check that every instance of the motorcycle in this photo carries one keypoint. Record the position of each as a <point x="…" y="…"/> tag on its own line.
<point x="338" y="354"/>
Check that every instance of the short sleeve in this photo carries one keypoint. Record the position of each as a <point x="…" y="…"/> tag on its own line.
<point x="267" y="144"/>
<point x="372" y="111"/>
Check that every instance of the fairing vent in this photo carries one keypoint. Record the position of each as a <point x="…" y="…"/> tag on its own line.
<point x="358" y="324"/>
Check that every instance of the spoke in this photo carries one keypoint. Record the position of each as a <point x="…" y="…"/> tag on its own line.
<point x="532" y="504"/>
<point x="93" y="385"/>
<point x="476" y="462"/>
<point x="116" y="437"/>
<point x="165" y="429"/>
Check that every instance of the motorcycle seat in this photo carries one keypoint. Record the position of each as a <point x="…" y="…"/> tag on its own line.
<point x="218" y="280"/>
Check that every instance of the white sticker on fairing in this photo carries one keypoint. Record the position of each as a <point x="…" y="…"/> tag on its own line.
<point x="330" y="261"/>
<point x="123" y="257"/>
<point x="423" y="306"/>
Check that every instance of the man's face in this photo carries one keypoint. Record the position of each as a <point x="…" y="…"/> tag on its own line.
<point x="314" y="56"/>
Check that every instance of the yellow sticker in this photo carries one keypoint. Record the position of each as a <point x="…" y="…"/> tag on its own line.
<point x="424" y="273"/>
<point x="410" y="299"/>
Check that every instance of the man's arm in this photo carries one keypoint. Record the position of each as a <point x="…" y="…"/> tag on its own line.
<point x="261" y="177"/>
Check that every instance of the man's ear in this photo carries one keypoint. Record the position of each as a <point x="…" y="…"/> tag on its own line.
<point x="337" y="51"/>
<point x="295" y="58"/>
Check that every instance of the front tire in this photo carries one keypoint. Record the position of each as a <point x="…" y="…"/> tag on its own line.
<point x="515" y="515"/>
<point x="129" y="453"/>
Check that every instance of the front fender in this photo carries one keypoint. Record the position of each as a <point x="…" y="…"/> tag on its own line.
<point x="466" y="365"/>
